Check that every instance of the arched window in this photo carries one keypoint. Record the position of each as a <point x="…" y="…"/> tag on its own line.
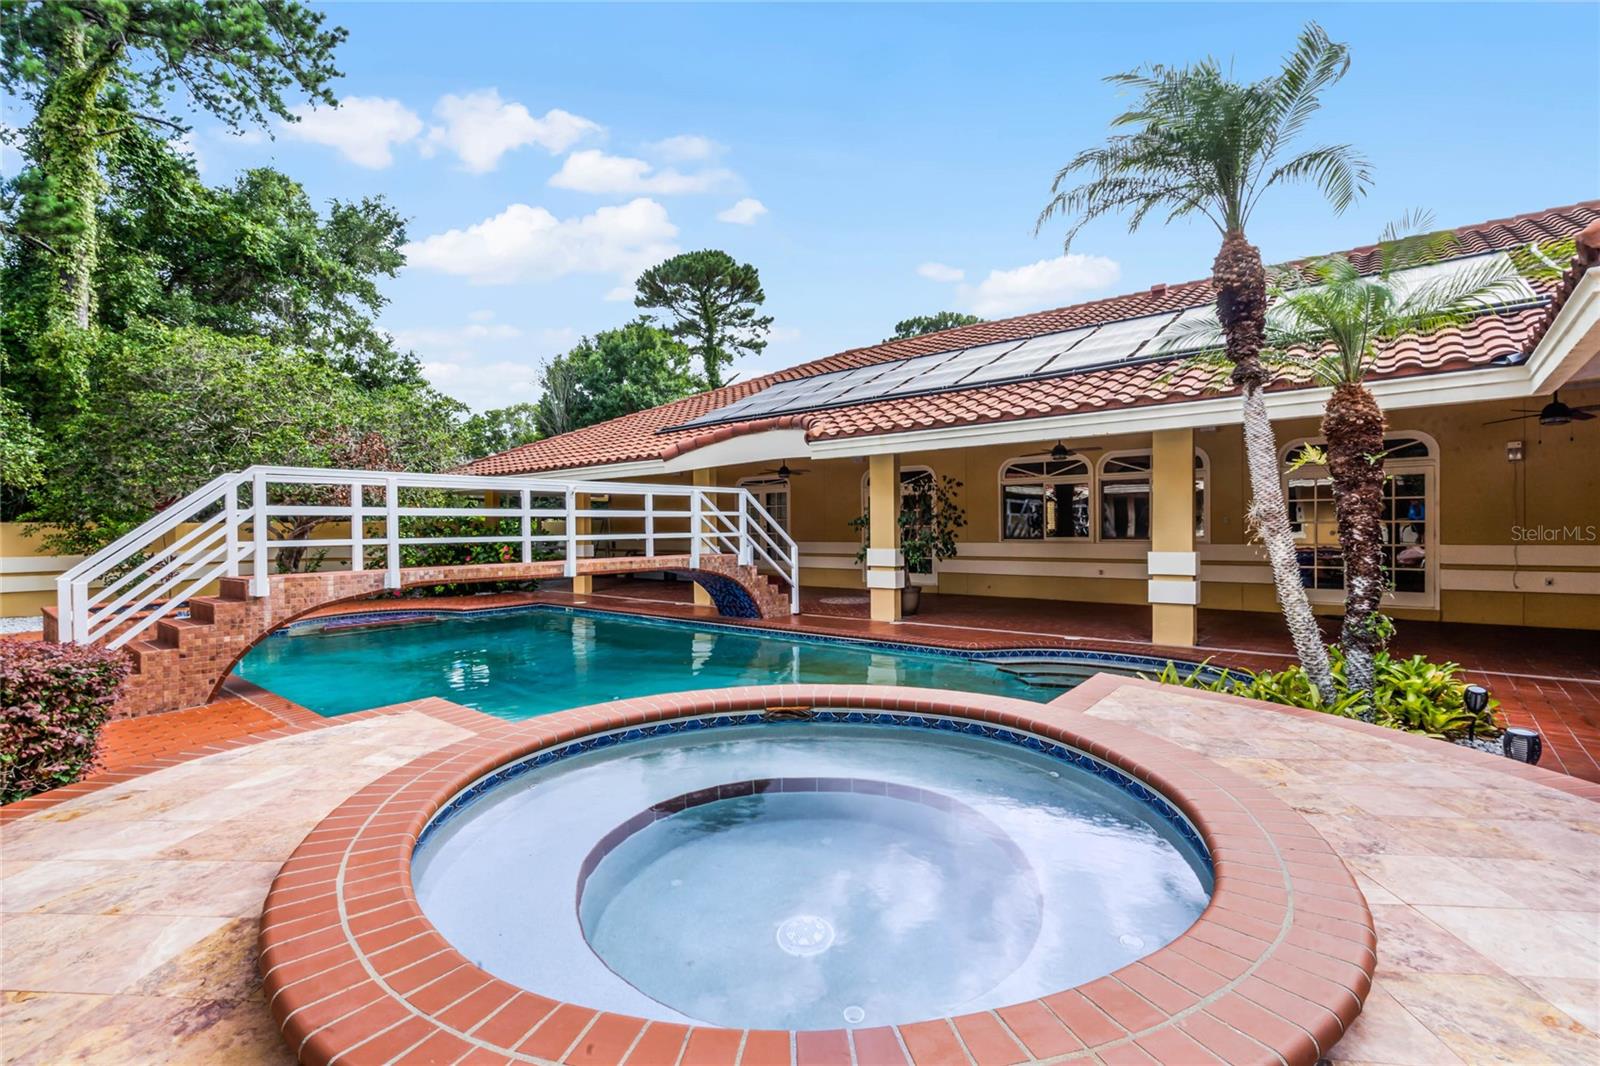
<point x="1045" y="499"/>
<point x="1125" y="495"/>
<point x="1410" y="529"/>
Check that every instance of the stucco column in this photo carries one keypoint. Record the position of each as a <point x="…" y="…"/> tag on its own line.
<point x="583" y="584"/>
<point x="1174" y="587"/>
<point x="886" y="573"/>
<point x="703" y="478"/>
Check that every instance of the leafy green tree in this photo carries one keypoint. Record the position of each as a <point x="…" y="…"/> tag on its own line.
<point x="713" y="302"/>
<point x="254" y="258"/>
<point x="615" y="373"/>
<point x="1203" y="143"/>
<point x="917" y="325"/>
<point x="170" y="409"/>
<point x="93" y="69"/>
<point x="500" y="430"/>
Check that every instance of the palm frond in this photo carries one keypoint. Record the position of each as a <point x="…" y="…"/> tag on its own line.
<point x="1338" y="172"/>
<point x="1316" y="63"/>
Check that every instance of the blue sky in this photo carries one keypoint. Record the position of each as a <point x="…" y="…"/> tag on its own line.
<point x="889" y="160"/>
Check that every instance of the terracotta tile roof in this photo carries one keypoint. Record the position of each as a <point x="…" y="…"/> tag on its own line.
<point x="652" y="435"/>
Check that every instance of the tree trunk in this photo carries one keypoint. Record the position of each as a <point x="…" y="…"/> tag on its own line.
<point x="66" y="148"/>
<point x="1353" y="425"/>
<point x="1242" y="310"/>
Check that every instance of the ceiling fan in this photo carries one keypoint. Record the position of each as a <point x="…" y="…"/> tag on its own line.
<point x="1554" y="413"/>
<point x="1061" y="452"/>
<point x="783" y="473"/>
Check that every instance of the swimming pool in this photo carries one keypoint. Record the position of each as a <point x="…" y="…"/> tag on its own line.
<point x="528" y="662"/>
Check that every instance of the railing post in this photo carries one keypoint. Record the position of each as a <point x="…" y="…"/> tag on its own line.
<point x="527" y="526"/>
<point x="65" y="621"/>
<point x="650" y="524"/>
<point x="230" y="516"/>
<point x="391" y="532"/>
<point x="80" y="611"/>
<point x="570" y="525"/>
<point x="696" y="502"/>
<point x="259" y="585"/>
<point x="745" y="552"/>
<point x="358" y="530"/>
<point x="794" y="578"/>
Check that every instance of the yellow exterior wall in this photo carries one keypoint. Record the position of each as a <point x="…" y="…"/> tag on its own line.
<point x="1481" y="501"/>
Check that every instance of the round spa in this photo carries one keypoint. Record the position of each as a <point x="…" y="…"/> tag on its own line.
<point x="844" y="869"/>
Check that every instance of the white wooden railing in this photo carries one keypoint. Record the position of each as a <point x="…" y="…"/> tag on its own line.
<point x="235" y="522"/>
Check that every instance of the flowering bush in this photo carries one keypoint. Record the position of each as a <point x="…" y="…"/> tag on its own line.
<point x="56" y="696"/>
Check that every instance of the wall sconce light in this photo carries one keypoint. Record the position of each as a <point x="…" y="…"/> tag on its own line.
<point x="1523" y="745"/>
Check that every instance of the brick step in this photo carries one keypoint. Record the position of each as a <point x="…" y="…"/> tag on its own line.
<point x="233" y="588"/>
<point x="209" y="610"/>
<point x="177" y="632"/>
<point x="146" y="654"/>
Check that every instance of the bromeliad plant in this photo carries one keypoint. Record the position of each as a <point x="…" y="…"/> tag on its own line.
<point x="1202" y="143"/>
<point x="1413" y="694"/>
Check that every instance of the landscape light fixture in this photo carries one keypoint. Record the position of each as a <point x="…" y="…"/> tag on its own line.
<point x="1523" y="745"/>
<point x="1476" y="699"/>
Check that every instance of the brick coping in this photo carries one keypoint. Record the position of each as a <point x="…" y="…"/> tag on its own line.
<point x="1276" y="967"/>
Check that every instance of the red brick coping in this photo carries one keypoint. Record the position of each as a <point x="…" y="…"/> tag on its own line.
<point x="1274" y="970"/>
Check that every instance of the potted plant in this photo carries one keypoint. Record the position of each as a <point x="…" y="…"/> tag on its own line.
<point x="929" y="519"/>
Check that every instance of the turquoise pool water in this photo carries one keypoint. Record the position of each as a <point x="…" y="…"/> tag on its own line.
<point x="527" y="663"/>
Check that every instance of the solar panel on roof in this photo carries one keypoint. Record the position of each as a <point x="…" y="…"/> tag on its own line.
<point x="1162" y="335"/>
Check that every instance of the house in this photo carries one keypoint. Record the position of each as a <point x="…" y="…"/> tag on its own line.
<point x="1097" y="466"/>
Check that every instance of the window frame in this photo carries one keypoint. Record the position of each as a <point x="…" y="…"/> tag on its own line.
<point x="758" y="484"/>
<point x="1428" y="467"/>
<point x="1085" y="479"/>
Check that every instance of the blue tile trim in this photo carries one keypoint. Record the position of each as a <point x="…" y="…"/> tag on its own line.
<point x="1079" y="760"/>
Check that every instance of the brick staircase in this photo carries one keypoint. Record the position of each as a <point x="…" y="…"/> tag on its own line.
<point x="182" y="662"/>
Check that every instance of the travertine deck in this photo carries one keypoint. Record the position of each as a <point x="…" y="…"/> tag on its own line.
<point x="130" y="913"/>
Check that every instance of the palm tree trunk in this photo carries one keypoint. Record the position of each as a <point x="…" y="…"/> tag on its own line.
<point x="1353" y="425"/>
<point x="1242" y="310"/>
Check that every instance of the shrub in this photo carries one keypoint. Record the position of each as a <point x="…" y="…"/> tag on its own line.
<point x="57" y="696"/>
<point x="1410" y="694"/>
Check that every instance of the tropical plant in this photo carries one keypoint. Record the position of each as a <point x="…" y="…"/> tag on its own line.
<point x="917" y="325"/>
<point x="1203" y="143"/>
<point x="53" y="700"/>
<point x="713" y="301"/>
<point x="1412" y="694"/>
<point x="930" y="516"/>
<point x="1328" y="322"/>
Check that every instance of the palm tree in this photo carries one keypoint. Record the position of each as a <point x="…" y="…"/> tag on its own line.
<point x="1327" y="321"/>
<point x="1204" y="143"/>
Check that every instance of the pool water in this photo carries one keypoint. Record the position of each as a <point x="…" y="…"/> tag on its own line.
<point x="526" y="663"/>
<point x="807" y="876"/>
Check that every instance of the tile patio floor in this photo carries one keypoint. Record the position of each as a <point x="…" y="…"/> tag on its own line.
<point x="129" y="911"/>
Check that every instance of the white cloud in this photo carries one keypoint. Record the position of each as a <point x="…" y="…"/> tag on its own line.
<point x="481" y="363"/>
<point x="594" y="171"/>
<point x="524" y="243"/>
<point x="480" y="127"/>
<point x="363" y="129"/>
<point x="942" y="273"/>
<point x="1047" y="283"/>
<point x="684" y="148"/>
<point x="744" y="212"/>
